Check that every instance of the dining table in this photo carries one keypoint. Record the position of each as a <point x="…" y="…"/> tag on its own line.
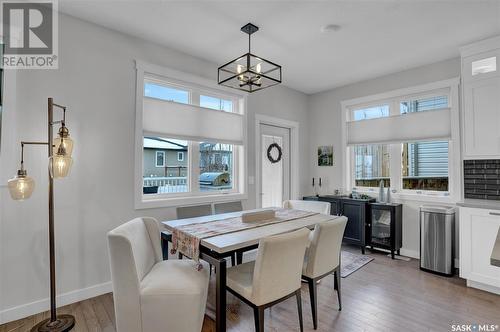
<point x="216" y="249"/>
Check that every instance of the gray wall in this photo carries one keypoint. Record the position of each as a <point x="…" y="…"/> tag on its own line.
<point x="325" y="129"/>
<point x="280" y="102"/>
<point x="96" y="80"/>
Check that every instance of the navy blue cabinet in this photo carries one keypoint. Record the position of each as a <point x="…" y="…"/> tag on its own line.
<point x="386" y="227"/>
<point x="357" y="211"/>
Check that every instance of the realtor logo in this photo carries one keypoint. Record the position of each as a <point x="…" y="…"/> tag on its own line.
<point x="29" y="34"/>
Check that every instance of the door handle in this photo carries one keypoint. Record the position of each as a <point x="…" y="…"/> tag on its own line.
<point x="494" y="213"/>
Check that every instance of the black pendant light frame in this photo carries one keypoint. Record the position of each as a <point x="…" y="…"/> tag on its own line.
<point x="253" y="77"/>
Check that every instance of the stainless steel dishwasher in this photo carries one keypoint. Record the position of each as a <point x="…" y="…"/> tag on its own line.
<point x="437" y="238"/>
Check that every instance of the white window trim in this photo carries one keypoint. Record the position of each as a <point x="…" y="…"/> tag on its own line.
<point x="239" y="192"/>
<point x="156" y="158"/>
<point x="181" y="155"/>
<point x="393" y="98"/>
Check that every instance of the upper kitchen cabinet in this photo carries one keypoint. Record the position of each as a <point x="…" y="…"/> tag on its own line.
<point x="481" y="99"/>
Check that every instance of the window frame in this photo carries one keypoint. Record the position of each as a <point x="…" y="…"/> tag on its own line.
<point x="423" y="191"/>
<point x="353" y="170"/>
<point x="394" y="98"/>
<point x="171" y="84"/>
<point x="427" y="94"/>
<point x="217" y="95"/>
<point x="180" y="153"/>
<point x="196" y="85"/>
<point x="157" y="152"/>
<point x="351" y="183"/>
<point x="379" y="103"/>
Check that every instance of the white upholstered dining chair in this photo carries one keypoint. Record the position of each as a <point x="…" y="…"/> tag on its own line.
<point x="273" y="277"/>
<point x="323" y="258"/>
<point x="311" y="206"/>
<point x="151" y="294"/>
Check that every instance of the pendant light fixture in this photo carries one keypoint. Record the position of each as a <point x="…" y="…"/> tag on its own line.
<point x="249" y="72"/>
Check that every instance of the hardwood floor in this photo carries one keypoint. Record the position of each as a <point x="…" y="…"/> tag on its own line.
<point x="385" y="295"/>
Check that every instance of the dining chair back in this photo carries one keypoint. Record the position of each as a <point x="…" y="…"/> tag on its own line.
<point x="151" y="294"/>
<point x="323" y="254"/>
<point x="194" y="211"/>
<point x="278" y="266"/>
<point x="312" y="206"/>
<point x="227" y="207"/>
<point x="323" y="259"/>
<point x="273" y="277"/>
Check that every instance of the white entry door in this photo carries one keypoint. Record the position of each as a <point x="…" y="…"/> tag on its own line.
<point x="274" y="169"/>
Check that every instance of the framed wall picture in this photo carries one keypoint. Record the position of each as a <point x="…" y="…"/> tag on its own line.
<point x="325" y="155"/>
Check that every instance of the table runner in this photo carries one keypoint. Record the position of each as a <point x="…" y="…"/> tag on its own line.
<point x="186" y="238"/>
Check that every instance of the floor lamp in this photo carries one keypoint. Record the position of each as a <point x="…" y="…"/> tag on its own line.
<point x="21" y="187"/>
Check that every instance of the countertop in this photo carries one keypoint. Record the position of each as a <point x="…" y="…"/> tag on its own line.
<point x="346" y="197"/>
<point x="495" y="254"/>
<point x="480" y="204"/>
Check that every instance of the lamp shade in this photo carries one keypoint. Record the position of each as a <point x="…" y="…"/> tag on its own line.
<point x="21" y="187"/>
<point x="60" y="165"/>
<point x="66" y="142"/>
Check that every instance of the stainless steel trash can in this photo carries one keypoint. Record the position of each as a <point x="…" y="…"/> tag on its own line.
<point x="437" y="237"/>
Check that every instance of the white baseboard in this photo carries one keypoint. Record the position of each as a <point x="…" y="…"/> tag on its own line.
<point x="410" y="253"/>
<point x="415" y="254"/>
<point x="484" y="287"/>
<point x="36" y="307"/>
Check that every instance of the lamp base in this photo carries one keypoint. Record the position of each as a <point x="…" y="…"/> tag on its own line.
<point x="63" y="323"/>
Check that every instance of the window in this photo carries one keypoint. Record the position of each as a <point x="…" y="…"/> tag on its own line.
<point x="183" y="158"/>
<point x="216" y="166"/>
<point x="161" y="174"/>
<point x="424" y="104"/>
<point x="370" y="113"/>
<point x="371" y="165"/>
<point x="409" y="147"/>
<point x="216" y="103"/>
<point x="160" y="158"/>
<point x="425" y="166"/>
<point x="155" y="90"/>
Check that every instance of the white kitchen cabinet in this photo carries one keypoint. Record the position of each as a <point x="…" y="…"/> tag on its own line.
<point x="478" y="232"/>
<point x="481" y="100"/>
<point x="482" y="118"/>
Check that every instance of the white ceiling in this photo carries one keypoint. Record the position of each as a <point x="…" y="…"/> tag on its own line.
<point x="377" y="37"/>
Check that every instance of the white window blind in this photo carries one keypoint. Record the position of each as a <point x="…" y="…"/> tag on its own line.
<point x="410" y="127"/>
<point x="169" y="119"/>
